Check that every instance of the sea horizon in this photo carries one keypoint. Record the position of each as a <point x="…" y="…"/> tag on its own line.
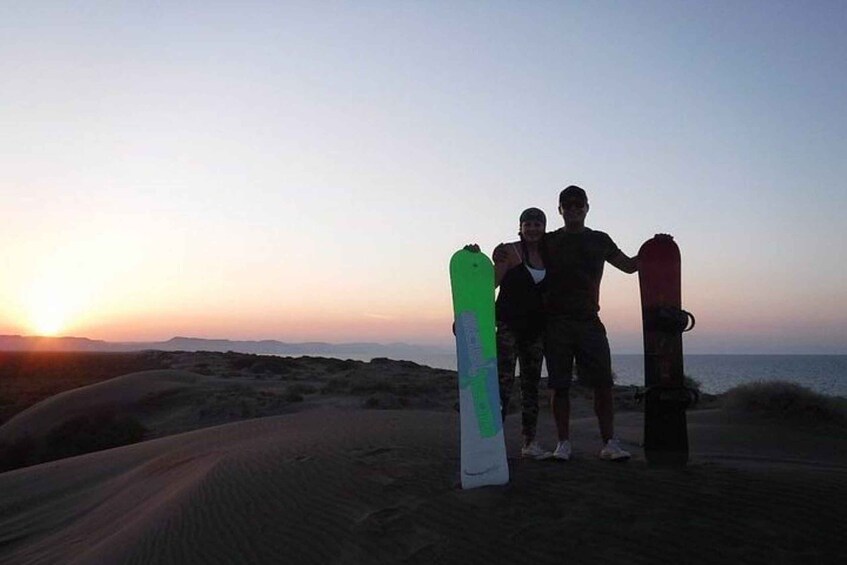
<point x="825" y="373"/>
<point x="716" y="372"/>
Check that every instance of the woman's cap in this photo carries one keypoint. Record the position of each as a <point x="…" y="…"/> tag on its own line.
<point x="533" y="215"/>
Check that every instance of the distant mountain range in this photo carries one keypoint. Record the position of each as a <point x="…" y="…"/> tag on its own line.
<point x="269" y="347"/>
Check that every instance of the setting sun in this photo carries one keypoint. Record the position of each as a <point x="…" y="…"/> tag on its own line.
<point x="49" y="325"/>
<point x="48" y="318"/>
<point x="51" y="307"/>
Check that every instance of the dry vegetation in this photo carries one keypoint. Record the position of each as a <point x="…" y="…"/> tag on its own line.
<point x="246" y="386"/>
<point x="787" y="402"/>
<point x="241" y="386"/>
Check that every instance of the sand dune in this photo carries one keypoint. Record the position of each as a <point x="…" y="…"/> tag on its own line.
<point x="329" y="481"/>
<point x="233" y="387"/>
<point x="129" y="394"/>
<point x="334" y="485"/>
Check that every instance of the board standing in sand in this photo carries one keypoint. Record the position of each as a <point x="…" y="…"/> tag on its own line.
<point x="519" y="272"/>
<point x="575" y="256"/>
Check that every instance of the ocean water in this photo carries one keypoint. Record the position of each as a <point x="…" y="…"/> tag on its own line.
<point x="826" y="374"/>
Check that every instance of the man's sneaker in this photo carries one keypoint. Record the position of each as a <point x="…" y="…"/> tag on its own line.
<point x="535" y="451"/>
<point x="612" y="451"/>
<point x="563" y="451"/>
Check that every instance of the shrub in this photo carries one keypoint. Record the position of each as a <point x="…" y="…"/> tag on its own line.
<point x="692" y="383"/>
<point x="382" y="400"/>
<point x="301" y="388"/>
<point x="331" y="365"/>
<point x="337" y="384"/>
<point x="293" y="396"/>
<point x="203" y="369"/>
<point x="786" y="401"/>
<point x="372" y="384"/>
<point x="271" y="365"/>
<point x="260" y="367"/>
<point x="239" y="361"/>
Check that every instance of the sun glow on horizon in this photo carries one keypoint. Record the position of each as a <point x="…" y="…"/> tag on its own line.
<point x="48" y="315"/>
<point x="52" y="306"/>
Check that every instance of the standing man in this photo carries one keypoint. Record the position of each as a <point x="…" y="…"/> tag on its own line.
<point x="575" y="257"/>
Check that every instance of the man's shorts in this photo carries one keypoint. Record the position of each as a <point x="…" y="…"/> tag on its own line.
<point x="583" y="341"/>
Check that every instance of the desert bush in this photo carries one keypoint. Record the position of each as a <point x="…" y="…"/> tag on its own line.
<point x="332" y="365"/>
<point x="383" y="400"/>
<point x="203" y="369"/>
<point x="786" y="401"/>
<point x="301" y="388"/>
<point x="293" y="396"/>
<point x="365" y="385"/>
<point x="356" y="384"/>
<point x="271" y="365"/>
<point x="262" y="366"/>
<point x="339" y="384"/>
<point x="692" y="383"/>
<point x="239" y="361"/>
<point x="422" y="386"/>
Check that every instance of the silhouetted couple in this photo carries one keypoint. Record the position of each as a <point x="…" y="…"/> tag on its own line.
<point x="548" y="308"/>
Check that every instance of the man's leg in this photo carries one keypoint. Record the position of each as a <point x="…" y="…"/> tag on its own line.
<point x="594" y="358"/>
<point x="560" y="402"/>
<point x="604" y="408"/>
<point x="559" y="352"/>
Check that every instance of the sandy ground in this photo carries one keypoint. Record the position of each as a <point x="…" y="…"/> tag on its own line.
<point x="329" y="481"/>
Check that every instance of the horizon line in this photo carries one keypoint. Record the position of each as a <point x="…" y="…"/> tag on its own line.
<point x="442" y="348"/>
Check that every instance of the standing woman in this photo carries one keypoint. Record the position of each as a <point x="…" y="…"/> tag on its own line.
<point x="519" y="272"/>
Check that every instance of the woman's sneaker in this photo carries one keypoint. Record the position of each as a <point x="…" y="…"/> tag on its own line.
<point x="535" y="451"/>
<point x="563" y="451"/>
<point x="612" y="451"/>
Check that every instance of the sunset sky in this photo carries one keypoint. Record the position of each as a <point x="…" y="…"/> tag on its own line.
<point x="304" y="170"/>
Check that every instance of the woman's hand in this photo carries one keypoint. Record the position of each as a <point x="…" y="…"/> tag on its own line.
<point x="505" y="256"/>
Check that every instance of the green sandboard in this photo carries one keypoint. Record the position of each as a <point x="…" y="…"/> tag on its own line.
<point x="483" y="449"/>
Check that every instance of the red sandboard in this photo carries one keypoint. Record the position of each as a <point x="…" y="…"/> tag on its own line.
<point x="665" y="397"/>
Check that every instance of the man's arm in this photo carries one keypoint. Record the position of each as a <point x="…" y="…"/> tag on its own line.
<point x="624" y="263"/>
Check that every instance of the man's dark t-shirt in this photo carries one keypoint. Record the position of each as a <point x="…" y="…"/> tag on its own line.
<point x="574" y="264"/>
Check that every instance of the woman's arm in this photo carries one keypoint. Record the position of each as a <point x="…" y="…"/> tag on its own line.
<point x="505" y="257"/>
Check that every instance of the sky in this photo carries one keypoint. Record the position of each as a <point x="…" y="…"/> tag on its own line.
<point x="304" y="170"/>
